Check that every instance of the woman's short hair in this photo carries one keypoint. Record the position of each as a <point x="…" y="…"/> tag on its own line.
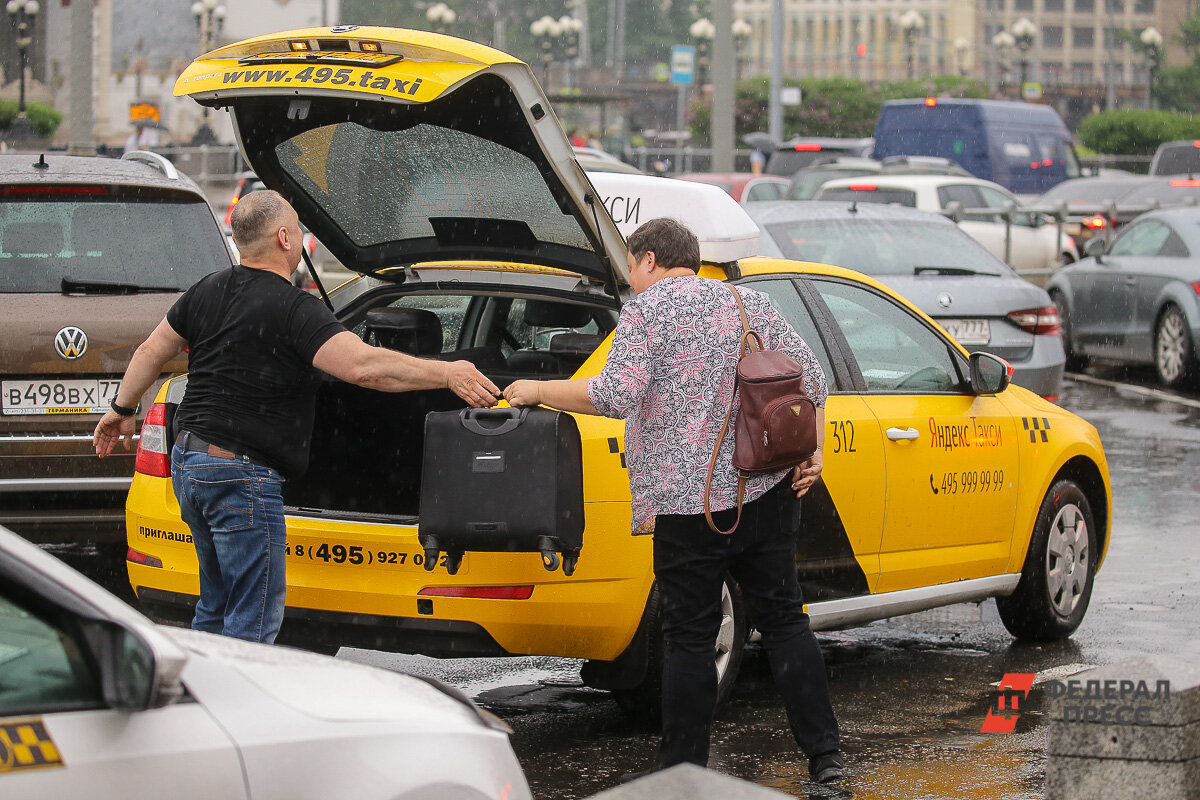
<point x="673" y="244"/>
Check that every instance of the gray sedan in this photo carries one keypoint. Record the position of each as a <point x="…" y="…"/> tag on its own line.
<point x="975" y="296"/>
<point x="1139" y="300"/>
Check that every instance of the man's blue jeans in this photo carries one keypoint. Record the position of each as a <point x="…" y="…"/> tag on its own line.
<point x="234" y="509"/>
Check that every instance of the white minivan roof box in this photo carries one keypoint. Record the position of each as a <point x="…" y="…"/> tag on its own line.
<point x="725" y="230"/>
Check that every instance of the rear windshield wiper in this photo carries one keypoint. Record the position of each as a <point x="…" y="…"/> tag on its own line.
<point x="945" y="271"/>
<point x="72" y="286"/>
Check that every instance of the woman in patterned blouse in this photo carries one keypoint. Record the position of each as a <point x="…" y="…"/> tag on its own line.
<point x="670" y="374"/>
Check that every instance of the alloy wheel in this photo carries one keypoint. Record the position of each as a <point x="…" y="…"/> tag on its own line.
<point x="1171" y="345"/>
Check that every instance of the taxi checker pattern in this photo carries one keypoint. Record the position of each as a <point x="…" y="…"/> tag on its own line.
<point x="25" y="744"/>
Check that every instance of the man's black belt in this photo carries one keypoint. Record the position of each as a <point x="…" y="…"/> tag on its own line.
<point x="190" y="441"/>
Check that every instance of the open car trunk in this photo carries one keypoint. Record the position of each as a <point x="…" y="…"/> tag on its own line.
<point x="366" y="452"/>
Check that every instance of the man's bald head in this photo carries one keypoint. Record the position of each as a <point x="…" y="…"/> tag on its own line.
<point x="256" y="219"/>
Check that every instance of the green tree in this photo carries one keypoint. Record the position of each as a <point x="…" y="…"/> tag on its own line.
<point x="841" y="107"/>
<point x="44" y="119"/>
<point x="1135" y="132"/>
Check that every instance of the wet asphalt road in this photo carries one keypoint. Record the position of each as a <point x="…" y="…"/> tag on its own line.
<point x="912" y="692"/>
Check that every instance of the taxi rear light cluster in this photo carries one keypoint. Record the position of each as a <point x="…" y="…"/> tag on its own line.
<point x="1038" y="321"/>
<point x="136" y="557"/>
<point x="153" y="453"/>
<point x="484" y="592"/>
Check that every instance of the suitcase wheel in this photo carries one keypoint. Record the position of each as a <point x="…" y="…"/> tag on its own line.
<point x="569" y="562"/>
<point x="453" y="562"/>
<point x="431" y="558"/>
<point x="550" y="560"/>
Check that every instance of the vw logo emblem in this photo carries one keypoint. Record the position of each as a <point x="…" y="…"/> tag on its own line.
<point x="70" y="343"/>
<point x="944" y="300"/>
<point x="343" y="28"/>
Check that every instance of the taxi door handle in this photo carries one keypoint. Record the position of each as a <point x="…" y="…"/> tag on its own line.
<point x="902" y="434"/>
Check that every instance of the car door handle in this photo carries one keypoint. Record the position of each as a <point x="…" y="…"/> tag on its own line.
<point x="902" y="434"/>
<point x="1129" y="280"/>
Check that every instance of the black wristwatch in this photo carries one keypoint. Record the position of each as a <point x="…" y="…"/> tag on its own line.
<point x="122" y="410"/>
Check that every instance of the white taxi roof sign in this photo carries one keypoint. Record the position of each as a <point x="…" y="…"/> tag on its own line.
<point x="726" y="232"/>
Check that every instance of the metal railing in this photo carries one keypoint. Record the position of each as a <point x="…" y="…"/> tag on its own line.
<point x="678" y="158"/>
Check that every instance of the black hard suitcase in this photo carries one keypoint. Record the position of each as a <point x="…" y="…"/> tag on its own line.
<point x="502" y="480"/>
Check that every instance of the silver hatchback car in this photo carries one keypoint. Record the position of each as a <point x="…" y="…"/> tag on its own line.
<point x="975" y="296"/>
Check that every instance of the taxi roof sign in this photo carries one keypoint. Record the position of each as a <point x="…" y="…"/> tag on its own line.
<point x="726" y="232"/>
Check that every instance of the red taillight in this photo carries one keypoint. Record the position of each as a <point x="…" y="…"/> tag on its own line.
<point x="1043" y="321"/>
<point x="1034" y="164"/>
<point x="862" y="187"/>
<point x="484" y="592"/>
<point x="310" y="243"/>
<point x="1196" y="143"/>
<point x="154" y="453"/>
<point x="133" y="556"/>
<point x="1095" y="222"/>
<point x="1184" y="182"/>
<point x="233" y="201"/>
<point x="809" y="148"/>
<point x="1196" y="287"/>
<point x="1049" y="162"/>
<point x="931" y="102"/>
<point x="54" y="190"/>
<point x="1053" y="398"/>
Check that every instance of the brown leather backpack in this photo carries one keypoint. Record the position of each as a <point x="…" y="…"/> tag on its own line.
<point x="776" y="425"/>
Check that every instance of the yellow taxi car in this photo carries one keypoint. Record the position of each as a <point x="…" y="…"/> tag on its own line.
<point x="437" y="169"/>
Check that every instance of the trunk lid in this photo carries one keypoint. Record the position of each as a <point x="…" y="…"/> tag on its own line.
<point x="399" y="147"/>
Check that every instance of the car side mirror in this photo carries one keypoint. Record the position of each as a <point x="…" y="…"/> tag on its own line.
<point x="989" y="374"/>
<point x="132" y="676"/>
<point x="1095" y="247"/>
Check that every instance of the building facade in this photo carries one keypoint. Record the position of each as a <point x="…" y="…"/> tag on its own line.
<point x="1076" y="54"/>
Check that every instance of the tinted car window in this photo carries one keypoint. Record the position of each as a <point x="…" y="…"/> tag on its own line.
<point x="1178" y="160"/>
<point x="883" y="246"/>
<point x="1089" y="191"/>
<point x="899" y="197"/>
<point x="894" y="350"/>
<point x="42" y="667"/>
<point x="380" y="186"/>
<point x="764" y="191"/>
<point x="1143" y="239"/>
<point x="807" y="183"/>
<point x="45" y="241"/>
<point x="787" y="300"/>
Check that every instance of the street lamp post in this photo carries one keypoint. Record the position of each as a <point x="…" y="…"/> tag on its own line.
<point x="546" y="30"/>
<point x="1023" y="32"/>
<point x="210" y="19"/>
<point x="961" y="48"/>
<point x="571" y="29"/>
<point x="440" y="17"/>
<point x="911" y="23"/>
<point x="1152" y="44"/>
<point x="703" y="31"/>
<point x="22" y="14"/>
<point x="1004" y="43"/>
<point x="741" y="37"/>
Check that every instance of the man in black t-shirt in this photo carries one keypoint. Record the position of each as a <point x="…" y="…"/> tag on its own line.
<point x="255" y="344"/>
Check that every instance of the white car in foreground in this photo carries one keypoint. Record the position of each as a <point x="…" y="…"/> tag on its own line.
<point x="1037" y="247"/>
<point x="97" y="701"/>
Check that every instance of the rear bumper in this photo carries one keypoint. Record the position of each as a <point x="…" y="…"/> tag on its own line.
<point x="1040" y="370"/>
<point x="306" y="626"/>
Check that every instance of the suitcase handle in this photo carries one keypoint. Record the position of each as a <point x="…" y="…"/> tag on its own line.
<point x="510" y="419"/>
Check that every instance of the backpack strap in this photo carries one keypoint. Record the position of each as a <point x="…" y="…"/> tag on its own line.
<point x="747" y="336"/>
